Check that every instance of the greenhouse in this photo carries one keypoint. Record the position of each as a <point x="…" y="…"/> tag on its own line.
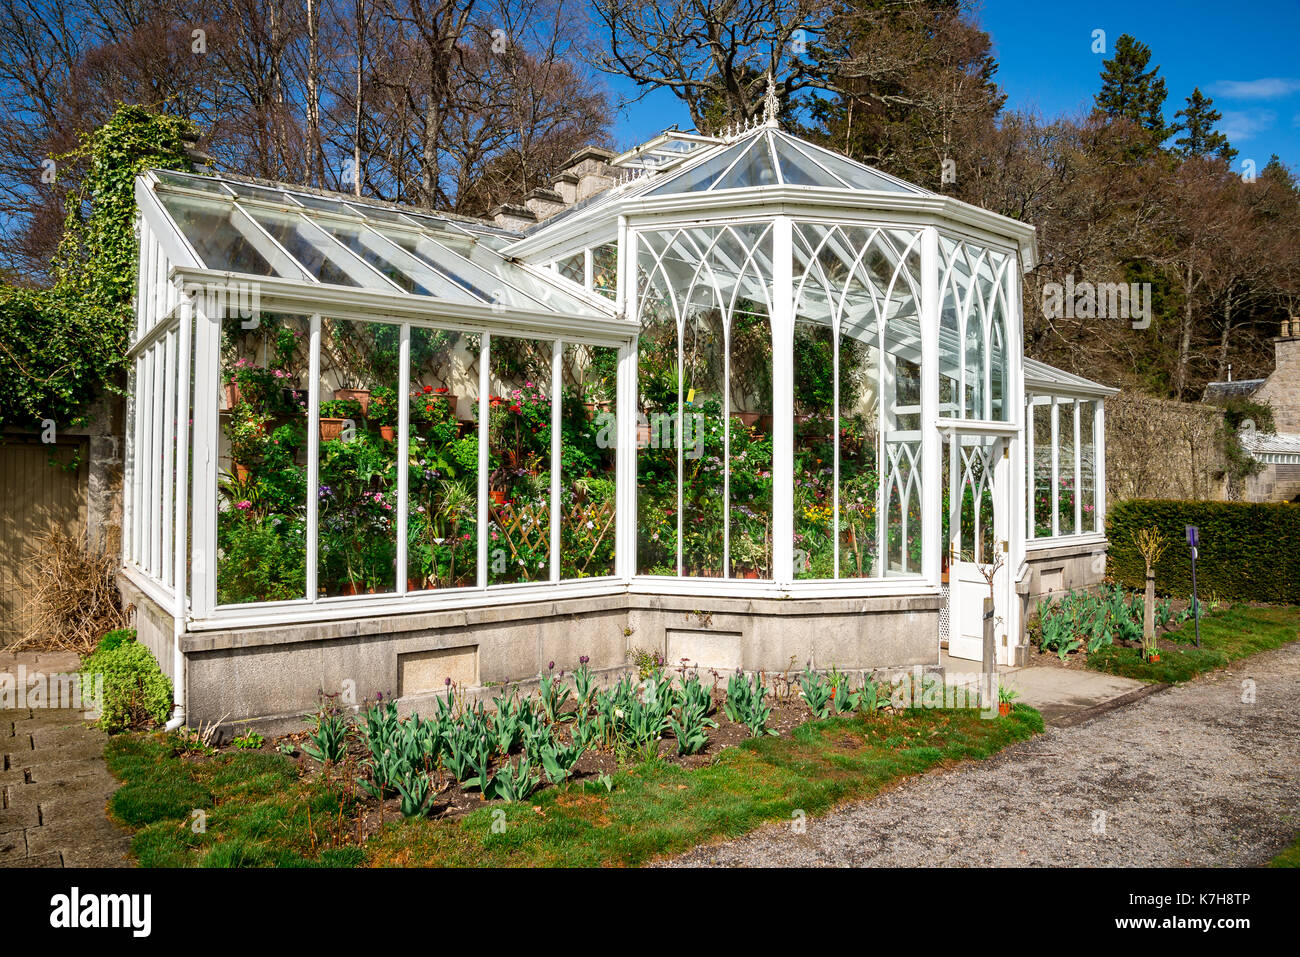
<point x="749" y="403"/>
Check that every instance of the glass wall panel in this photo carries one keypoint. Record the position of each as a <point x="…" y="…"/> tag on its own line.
<point x="519" y="507"/>
<point x="704" y="503"/>
<point x="864" y="284"/>
<point x="859" y="446"/>
<point x="658" y="379"/>
<point x="1065" y="467"/>
<point x="1042" y="492"/>
<point x="262" y="463"/>
<point x="750" y="442"/>
<point x="587" y="459"/>
<point x="703" y="292"/>
<point x="357" y="492"/>
<point x="442" y="482"/>
<point x="1087" y="467"/>
<point x="972" y="330"/>
<point x="814" y="449"/>
<point x="604" y="270"/>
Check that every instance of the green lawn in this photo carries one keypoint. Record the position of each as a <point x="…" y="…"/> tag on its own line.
<point x="1289" y="857"/>
<point x="656" y="810"/>
<point x="255" y="808"/>
<point x="257" y="803"/>
<point x="1225" y="636"/>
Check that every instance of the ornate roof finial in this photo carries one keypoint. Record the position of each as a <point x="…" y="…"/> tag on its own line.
<point x="771" y="105"/>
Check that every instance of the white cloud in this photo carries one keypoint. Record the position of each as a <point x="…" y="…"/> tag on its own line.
<point x="1269" y="88"/>
<point x="1240" y="125"/>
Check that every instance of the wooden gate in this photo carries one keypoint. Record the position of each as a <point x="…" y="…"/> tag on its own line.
<point x="34" y="497"/>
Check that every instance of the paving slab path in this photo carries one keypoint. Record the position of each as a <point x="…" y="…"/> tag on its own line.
<point x="1191" y="776"/>
<point x="54" y="784"/>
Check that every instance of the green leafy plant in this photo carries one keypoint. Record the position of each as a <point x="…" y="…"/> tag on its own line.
<point x="816" y="691"/>
<point x="514" y="781"/>
<point x="135" y="692"/>
<point x="746" y="704"/>
<point x="690" y="725"/>
<point x="250" y="740"/>
<point x="327" y="743"/>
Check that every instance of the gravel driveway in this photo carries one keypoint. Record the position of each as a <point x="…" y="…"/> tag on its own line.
<point x="1190" y="776"/>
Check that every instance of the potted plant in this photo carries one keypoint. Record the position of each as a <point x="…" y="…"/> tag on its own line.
<point x="1005" y="697"/>
<point x="334" y="414"/>
<point x="383" y="412"/>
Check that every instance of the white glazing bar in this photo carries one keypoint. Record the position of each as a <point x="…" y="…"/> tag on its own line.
<point x="679" y="419"/>
<point x="403" y="453"/>
<point x="172" y="373"/>
<point x="1029" y="468"/>
<point x="145" y="418"/>
<point x="625" y="425"/>
<point x="726" y="447"/>
<point x="1078" y="469"/>
<point x="312" y="586"/>
<point x="625" y="405"/>
<point x="184" y="399"/>
<point x="207" y="352"/>
<point x="783" y="400"/>
<point x="557" y="402"/>
<point x="1056" y="468"/>
<point x="1099" y="476"/>
<point x="484" y="435"/>
<point x="131" y="514"/>
<point x="157" y="412"/>
<point x="835" y="453"/>
<point x="931" y="494"/>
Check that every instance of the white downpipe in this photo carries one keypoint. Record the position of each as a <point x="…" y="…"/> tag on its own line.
<point x="180" y="541"/>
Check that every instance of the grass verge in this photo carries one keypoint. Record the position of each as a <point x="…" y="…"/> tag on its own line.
<point x="1225" y="636"/>
<point x="241" y="809"/>
<point x="1289" y="857"/>
<point x="658" y="809"/>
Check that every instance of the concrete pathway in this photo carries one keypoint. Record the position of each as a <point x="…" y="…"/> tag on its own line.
<point x="1058" y="693"/>
<point x="53" y="781"/>
<point x="1204" y="774"/>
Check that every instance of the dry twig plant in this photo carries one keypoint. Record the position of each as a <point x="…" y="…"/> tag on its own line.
<point x="74" y="597"/>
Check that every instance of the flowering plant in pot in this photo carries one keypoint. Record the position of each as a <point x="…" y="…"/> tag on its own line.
<point x="1005" y="697"/>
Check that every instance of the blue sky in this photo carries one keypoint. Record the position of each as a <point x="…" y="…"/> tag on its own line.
<point x="1243" y="55"/>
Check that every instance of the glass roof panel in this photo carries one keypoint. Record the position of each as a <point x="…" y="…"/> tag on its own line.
<point x="535" y="288"/>
<point x="840" y="168"/>
<point x="754" y="169"/>
<point x="313" y="249"/>
<point x="267" y="231"/>
<point x="224" y="239"/>
<point x="405" y="270"/>
<point x="703" y="175"/>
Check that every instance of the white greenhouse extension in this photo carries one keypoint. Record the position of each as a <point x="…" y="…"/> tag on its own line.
<point x="749" y="402"/>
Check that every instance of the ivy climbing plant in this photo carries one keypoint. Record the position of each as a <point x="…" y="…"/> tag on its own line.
<point x="62" y="347"/>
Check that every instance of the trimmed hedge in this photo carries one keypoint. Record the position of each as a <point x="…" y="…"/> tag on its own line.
<point x="1249" y="551"/>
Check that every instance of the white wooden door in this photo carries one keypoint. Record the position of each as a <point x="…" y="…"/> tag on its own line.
<point x="977" y="538"/>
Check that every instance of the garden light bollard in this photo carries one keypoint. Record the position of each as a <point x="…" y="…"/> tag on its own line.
<point x="1194" y="541"/>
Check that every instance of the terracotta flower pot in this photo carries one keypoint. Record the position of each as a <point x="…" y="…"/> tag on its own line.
<point x="414" y="584"/>
<point x="350" y="588"/>
<point x="231" y="390"/>
<point x="1155" y="657"/>
<point x="242" y="472"/>
<point x="360" y="395"/>
<point x="1004" y="708"/>
<point x="331" y="429"/>
<point x="747" y="419"/>
<point x="387" y="433"/>
<point x="498" y="496"/>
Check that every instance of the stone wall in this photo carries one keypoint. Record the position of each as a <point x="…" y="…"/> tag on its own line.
<point x="1282" y="390"/>
<point x="270" y="677"/>
<point x="1158" y="448"/>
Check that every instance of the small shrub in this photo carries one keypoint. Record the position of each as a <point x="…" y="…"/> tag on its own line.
<point x="115" y="639"/>
<point x="136" y="692"/>
<point x="250" y="740"/>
